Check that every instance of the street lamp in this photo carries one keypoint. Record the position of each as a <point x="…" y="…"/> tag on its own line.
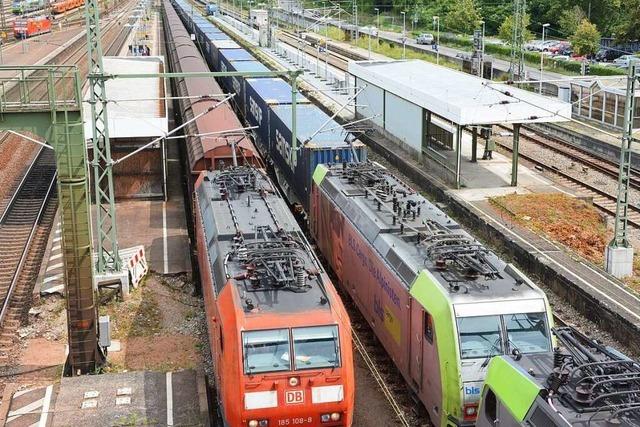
<point x="378" y="21"/>
<point x="542" y="55"/>
<point x="482" y="51"/>
<point x="404" y="34"/>
<point x="436" y="21"/>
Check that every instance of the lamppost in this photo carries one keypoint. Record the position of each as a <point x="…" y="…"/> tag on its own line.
<point x="544" y="26"/>
<point x="436" y="21"/>
<point x="378" y="21"/>
<point x="404" y="34"/>
<point x="482" y="51"/>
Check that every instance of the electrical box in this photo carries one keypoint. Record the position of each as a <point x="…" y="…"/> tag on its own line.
<point x="104" y="329"/>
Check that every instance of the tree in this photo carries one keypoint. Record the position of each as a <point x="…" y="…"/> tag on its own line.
<point x="586" y="39"/>
<point x="570" y="19"/>
<point x="505" y="32"/>
<point x="464" y="16"/>
<point x="628" y="29"/>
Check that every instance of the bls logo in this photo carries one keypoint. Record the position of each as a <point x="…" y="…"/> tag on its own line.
<point x="294" y="397"/>
<point x="236" y="85"/>
<point x="285" y="150"/>
<point x="471" y="390"/>
<point x="255" y="110"/>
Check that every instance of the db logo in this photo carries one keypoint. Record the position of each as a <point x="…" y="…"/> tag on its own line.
<point x="294" y="396"/>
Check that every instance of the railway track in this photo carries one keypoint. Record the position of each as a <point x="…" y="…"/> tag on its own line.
<point x="18" y="227"/>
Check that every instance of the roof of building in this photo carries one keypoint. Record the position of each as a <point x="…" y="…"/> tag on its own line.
<point x="136" y="108"/>
<point x="252" y="234"/>
<point x="413" y="234"/>
<point x="460" y="97"/>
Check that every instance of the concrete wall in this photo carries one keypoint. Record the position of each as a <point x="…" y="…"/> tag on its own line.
<point x="404" y="120"/>
<point x="373" y="97"/>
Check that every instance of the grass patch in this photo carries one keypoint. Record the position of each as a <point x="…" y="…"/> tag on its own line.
<point x="572" y="222"/>
<point x="138" y="316"/>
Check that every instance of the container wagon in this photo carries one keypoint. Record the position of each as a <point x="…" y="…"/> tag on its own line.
<point x="441" y="303"/>
<point x="581" y="383"/>
<point x="280" y="337"/>
<point x="210" y="138"/>
<point x="28" y="27"/>
<point x="237" y="84"/>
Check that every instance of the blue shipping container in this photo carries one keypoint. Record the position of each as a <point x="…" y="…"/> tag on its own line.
<point x="260" y="94"/>
<point x="236" y="55"/>
<point x="328" y="146"/>
<point x="216" y="46"/>
<point x="237" y="84"/>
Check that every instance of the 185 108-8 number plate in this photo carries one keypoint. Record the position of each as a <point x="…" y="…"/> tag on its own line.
<point x="297" y="421"/>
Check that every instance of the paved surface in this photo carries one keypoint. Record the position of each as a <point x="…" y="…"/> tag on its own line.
<point x="136" y="398"/>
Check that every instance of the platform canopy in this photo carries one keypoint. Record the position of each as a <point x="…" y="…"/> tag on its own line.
<point x="137" y="107"/>
<point x="461" y="98"/>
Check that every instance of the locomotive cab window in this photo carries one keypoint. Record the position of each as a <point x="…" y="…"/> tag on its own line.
<point x="479" y="336"/>
<point x="266" y="351"/>
<point x="316" y="347"/>
<point x="528" y="333"/>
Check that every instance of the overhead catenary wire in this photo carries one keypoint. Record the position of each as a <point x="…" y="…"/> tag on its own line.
<point x="208" y="110"/>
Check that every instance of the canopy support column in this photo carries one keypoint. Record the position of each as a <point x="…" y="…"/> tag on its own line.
<point x="474" y="145"/>
<point x="458" y="154"/>
<point x="514" y="160"/>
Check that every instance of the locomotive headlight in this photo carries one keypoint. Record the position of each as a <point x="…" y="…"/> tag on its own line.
<point x="253" y="423"/>
<point x="294" y="381"/>
<point x="335" y="416"/>
<point x="325" y="418"/>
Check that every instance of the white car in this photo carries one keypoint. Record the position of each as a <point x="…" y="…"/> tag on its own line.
<point x="623" y="61"/>
<point x="372" y="31"/>
<point x="425" y="39"/>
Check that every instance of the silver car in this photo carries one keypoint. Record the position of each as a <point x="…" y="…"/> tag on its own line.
<point x="425" y="38"/>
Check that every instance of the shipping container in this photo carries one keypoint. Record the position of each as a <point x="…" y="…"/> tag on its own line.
<point x="236" y="55"/>
<point x="237" y="84"/>
<point x="213" y="49"/>
<point x="260" y="94"/>
<point x="328" y="146"/>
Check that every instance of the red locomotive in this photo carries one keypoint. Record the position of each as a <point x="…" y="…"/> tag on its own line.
<point x="65" y="5"/>
<point x="28" y="27"/>
<point x="280" y="336"/>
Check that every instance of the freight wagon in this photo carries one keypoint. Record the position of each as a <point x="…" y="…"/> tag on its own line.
<point x="65" y="5"/>
<point x="237" y="84"/>
<point x="441" y="303"/>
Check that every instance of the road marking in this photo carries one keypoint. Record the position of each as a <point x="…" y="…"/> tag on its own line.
<point x="169" y="399"/>
<point x="45" y="407"/>
<point x="28" y="409"/>
<point x="165" y="250"/>
<point x="517" y="236"/>
<point x="21" y="392"/>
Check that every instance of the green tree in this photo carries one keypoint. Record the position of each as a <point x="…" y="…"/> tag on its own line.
<point x="586" y="39"/>
<point x="570" y="19"/>
<point x="628" y="29"/>
<point x="505" y="32"/>
<point x="464" y="16"/>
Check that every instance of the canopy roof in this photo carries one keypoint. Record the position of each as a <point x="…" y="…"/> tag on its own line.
<point x="459" y="97"/>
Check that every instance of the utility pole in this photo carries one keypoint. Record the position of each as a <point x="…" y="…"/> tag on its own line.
<point x="108" y="257"/>
<point x="619" y="252"/>
<point x="355" y="20"/>
<point x="516" y="67"/>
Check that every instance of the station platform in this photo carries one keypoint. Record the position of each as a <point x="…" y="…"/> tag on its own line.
<point x="135" y="398"/>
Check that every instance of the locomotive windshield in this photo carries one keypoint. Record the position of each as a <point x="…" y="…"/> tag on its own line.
<point x="479" y="336"/>
<point x="487" y="336"/>
<point x="316" y="347"/>
<point x="313" y="347"/>
<point x="266" y="351"/>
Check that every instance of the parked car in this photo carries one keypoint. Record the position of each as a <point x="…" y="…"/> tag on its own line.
<point x="372" y="31"/>
<point x="560" y="48"/>
<point x="561" y="58"/>
<point x="608" y="54"/>
<point x="532" y="45"/>
<point x="623" y="61"/>
<point x="547" y="45"/>
<point x="425" y="38"/>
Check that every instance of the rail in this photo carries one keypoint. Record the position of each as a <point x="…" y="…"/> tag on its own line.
<point x="25" y="252"/>
<point x="15" y="193"/>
